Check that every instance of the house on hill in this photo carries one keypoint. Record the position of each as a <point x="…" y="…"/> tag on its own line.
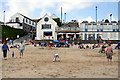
<point x="20" y="21"/>
<point x="1" y="23"/>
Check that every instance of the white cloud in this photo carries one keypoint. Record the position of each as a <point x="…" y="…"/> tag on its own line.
<point x="89" y="19"/>
<point x="43" y="12"/>
<point x="27" y="7"/>
<point x="73" y="5"/>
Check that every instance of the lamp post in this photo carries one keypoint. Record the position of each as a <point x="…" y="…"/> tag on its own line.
<point x="61" y="15"/>
<point x="4" y="18"/>
<point x="110" y="17"/>
<point x="96" y="14"/>
<point x="65" y="18"/>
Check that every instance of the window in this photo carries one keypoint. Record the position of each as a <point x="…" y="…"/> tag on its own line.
<point x="89" y="24"/>
<point x="46" y="26"/>
<point x="48" y="33"/>
<point x="32" y="23"/>
<point x="86" y="30"/>
<point x="26" y="20"/>
<point x="29" y="22"/>
<point x="94" y="24"/>
<point x="17" y="19"/>
<point x="46" y="19"/>
<point x="20" y="24"/>
<point x="110" y="23"/>
<point x="23" y="20"/>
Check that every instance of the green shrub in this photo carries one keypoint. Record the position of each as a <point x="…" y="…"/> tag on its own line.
<point x="8" y="32"/>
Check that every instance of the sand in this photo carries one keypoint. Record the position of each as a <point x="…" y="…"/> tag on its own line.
<point x="75" y="63"/>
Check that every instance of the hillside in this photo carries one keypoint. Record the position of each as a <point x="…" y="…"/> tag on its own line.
<point x="8" y="32"/>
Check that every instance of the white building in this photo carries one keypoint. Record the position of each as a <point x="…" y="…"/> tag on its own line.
<point x="90" y="31"/>
<point x="46" y="28"/>
<point x="1" y="23"/>
<point x="20" y="21"/>
<point x="107" y="31"/>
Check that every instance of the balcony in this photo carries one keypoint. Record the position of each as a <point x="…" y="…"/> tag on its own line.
<point x="68" y="29"/>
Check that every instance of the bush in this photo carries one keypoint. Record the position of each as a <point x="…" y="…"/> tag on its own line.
<point x="8" y="32"/>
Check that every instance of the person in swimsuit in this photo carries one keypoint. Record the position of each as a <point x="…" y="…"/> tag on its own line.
<point x="109" y="52"/>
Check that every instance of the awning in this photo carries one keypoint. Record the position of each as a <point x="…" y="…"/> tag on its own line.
<point x="55" y="40"/>
<point x="70" y="33"/>
<point x="90" y="34"/>
<point x="47" y="31"/>
<point x="61" y="33"/>
<point x="79" y="33"/>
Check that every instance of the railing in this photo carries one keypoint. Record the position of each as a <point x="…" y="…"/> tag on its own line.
<point x="68" y="29"/>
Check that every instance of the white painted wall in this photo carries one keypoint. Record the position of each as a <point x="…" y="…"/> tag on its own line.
<point x="13" y="18"/>
<point x="15" y="25"/>
<point x="40" y="31"/>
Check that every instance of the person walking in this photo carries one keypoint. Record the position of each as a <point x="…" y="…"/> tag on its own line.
<point x="4" y="49"/>
<point x="21" y="48"/>
<point x="109" y="53"/>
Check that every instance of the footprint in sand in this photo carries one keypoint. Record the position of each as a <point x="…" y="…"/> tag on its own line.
<point x="73" y="76"/>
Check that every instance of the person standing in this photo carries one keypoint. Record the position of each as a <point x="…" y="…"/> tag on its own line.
<point x="21" y="49"/>
<point x="109" y="53"/>
<point x="4" y="49"/>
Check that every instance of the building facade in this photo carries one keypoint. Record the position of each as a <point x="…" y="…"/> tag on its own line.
<point x="1" y="23"/>
<point x="46" y="28"/>
<point x="68" y="31"/>
<point x="90" y="31"/>
<point x="20" y="21"/>
<point x="107" y="31"/>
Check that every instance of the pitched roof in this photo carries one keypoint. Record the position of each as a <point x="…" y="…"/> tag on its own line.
<point x="53" y="16"/>
<point x="1" y="22"/>
<point x="71" y="24"/>
<point x="25" y="16"/>
<point x="36" y="20"/>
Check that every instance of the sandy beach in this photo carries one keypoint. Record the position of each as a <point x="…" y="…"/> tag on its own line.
<point x="75" y="63"/>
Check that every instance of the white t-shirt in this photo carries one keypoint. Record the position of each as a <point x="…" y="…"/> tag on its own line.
<point x="22" y="46"/>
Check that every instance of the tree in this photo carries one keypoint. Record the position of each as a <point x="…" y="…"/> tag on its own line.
<point x="58" y="21"/>
<point x="106" y="21"/>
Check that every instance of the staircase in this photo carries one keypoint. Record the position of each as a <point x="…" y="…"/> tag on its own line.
<point x="26" y="37"/>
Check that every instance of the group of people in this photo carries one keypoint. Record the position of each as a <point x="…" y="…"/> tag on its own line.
<point x="5" y="49"/>
<point x="81" y="46"/>
<point x="108" y="50"/>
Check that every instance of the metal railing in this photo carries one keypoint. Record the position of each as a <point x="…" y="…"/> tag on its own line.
<point x="68" y="29"/>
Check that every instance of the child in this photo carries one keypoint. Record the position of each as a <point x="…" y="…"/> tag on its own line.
<point x="56" y="56"/>
<point x="12" y="54"/>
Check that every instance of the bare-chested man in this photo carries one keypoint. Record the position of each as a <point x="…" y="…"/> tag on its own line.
<point x="109" y="52"/>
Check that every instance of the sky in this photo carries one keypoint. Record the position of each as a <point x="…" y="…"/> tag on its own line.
<point x="79" y="10"/>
